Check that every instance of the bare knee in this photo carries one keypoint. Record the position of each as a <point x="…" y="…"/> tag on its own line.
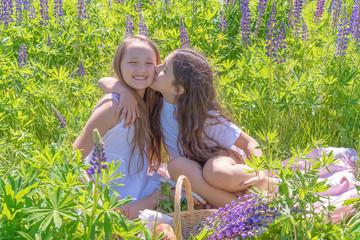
<point x="181" y="166"/>
<point x="216" y="173"/>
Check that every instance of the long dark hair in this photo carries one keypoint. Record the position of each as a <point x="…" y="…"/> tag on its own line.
<point x="143" y="136"/>
<point x="193" y="73"/>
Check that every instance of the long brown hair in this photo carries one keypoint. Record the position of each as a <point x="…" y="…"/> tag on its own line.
<point x="143" y="136"/>
<point x="193" y="108"/>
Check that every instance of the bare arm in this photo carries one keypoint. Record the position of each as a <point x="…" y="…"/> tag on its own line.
<point x="248" y="145"/>
<point x="103" y="119"/>
<point x="128" y="106"/>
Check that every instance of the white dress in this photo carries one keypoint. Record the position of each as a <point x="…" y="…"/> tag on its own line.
<point x="117" y="145"/>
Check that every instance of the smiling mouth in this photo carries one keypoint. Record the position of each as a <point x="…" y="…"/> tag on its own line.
<point x="140" y="78"/>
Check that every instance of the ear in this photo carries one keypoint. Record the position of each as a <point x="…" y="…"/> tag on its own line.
<point x="179" y="90"/>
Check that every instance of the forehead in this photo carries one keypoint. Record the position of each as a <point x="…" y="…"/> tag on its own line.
<point x="139" y="49"/>
<point x="168" y="60"/>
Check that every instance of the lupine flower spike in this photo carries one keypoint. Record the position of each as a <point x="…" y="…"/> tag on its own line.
<point x="98" y="156"/>
<point x="4" y="12"/>
<point x="58" y="11"/>
<point x="82" y="9"/>
<point x="19" y="9"/>
<point x="239" y="220"/>
<point x="22" y="58"/>
<point x="355" y="22"/>
<point x="138" y="6"/>
<point x="222" y="24"/>
<point x="184" y="35"/>
<point x="49" y="43"/>
<point x="298" y="7"/>
<point x="281" y="43"/>
<point x="81" y="71"/>
<point x="44" y="5"/>
<point x="245" y="22"/>
<point x="271" y="37"/>
<point x="142" y="25"/>
<point x="336" y="12"/>
<point x="344" y="32"/>
<point x="32" y="12"/>
<point x="129" y="26"/>
<point x="305" y="33"/>
<point x="61" y="119"/>
<point x="260" y="14"/>
<point x="319" y="10"/>
<point x="291" y="18"/>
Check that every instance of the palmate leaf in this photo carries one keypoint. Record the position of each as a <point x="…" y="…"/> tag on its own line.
<point x="57" y="204"/>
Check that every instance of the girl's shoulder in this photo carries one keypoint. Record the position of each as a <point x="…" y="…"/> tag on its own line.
<point x="112" y="99"/>
<point x="105" y="109"/>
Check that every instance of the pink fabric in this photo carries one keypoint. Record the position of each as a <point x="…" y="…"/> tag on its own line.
<point x="341" y="178"/>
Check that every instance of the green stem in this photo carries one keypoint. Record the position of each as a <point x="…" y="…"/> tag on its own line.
<point x="94" y="208"/>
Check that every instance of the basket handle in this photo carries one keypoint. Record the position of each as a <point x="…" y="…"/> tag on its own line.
<point x="182" y="180"/>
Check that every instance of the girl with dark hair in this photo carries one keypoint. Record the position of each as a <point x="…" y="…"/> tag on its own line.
<point x="133" y="66"/>
<point x="201" y="141"/>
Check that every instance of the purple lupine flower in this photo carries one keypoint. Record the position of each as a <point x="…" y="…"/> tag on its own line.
<point x="137" y="6"/>
<point x="184" y="35"/>
<point x="336" y="12"/>
<point x="319" y="10"/>
<point x="260" y="14"/>
<point x="98" y="155"/>
<point x="81" y="9"/>
<point x="32" y="12"/>
<point x="19" y="8"/>
<point x="291" y="17"/>
<point x="22" y="58"/>
<point x="58" y="11"/>
<point x="281" y="43"/>
<point x="298" y="7"/>
<point x="44" y="12"/>
<point x="81" y="71"/>
<point x="222" y="23"/>
<point x="195" y="5"/>
<point x="245" y="22"/>
<point x="241" y="220"/>
<point x="271" y="38"/>
<point x="49" y="43"/>
<point x="58" y="115"/>
<point x="6" y="11"/>
<point x="305" y="33"/>
<point x="355" y="22"/>
<point x="129" y="26"/>
<point x="152" y="2"/>
<point x="142" y="26"/>
<point x="344" y="32"/>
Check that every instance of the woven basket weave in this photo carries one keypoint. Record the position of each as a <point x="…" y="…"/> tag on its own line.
<point x="186" y="220"/>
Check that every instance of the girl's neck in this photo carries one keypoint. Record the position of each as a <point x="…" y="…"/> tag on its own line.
<point x="141" y="92"/>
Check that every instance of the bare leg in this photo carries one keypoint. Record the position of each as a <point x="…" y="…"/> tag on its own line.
<point x="193" y="171"/>
<point x="225" y="173"/>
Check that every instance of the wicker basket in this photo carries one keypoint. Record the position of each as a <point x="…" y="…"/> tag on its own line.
<point x="186" y="220"/>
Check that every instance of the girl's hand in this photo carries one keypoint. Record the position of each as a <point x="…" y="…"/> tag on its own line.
<point x="128" y="108"/>
<point x="128" y="105"/>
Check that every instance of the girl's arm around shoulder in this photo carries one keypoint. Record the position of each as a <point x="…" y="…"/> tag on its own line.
<point x="103" y="118"/>
<point x="248" y="145"/>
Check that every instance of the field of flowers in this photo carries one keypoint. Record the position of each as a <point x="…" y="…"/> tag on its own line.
<point x="287" y="73"/>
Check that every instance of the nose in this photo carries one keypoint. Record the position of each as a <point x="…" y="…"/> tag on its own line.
<point x="158" y="68"/>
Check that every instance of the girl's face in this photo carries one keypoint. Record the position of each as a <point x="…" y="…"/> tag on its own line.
<point x="137" y="66"/>
<point x="164" y="80"/>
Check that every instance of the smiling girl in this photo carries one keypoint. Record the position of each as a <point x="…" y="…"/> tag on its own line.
<point x="133" y="66"/>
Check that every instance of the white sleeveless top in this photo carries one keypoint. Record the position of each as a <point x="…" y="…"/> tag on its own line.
<point x="225" y="133"/>
<point x="117" y="145"/>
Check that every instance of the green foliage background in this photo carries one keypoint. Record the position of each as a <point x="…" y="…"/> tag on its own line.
<point x="313" y="99"/>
